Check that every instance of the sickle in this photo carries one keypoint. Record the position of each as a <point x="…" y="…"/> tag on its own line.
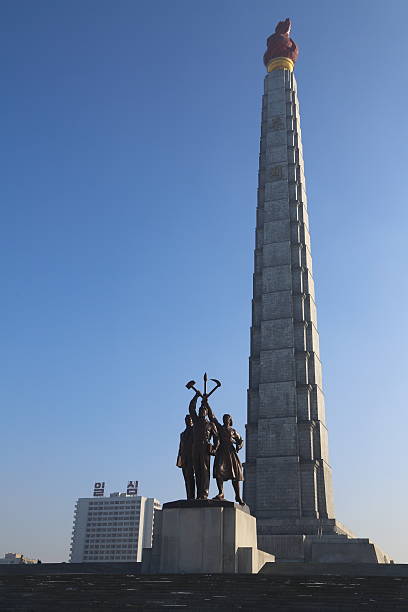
<point x="217" y="385"/>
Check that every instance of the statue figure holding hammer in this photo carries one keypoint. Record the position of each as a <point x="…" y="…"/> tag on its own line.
<point x="228" y="443"/>
<point x="205" y="438"/>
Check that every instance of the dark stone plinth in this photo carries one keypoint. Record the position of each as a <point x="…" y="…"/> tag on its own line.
<point x="54" y="569"/>
<point x="204" y="503"/>
<point x="205" y="593"/>
<point x="382" y="570"/>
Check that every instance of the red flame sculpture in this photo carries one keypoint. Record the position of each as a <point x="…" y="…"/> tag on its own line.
<point x="280" y="45"/>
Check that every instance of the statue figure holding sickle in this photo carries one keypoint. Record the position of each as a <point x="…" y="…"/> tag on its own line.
<point x="227" y="465"/>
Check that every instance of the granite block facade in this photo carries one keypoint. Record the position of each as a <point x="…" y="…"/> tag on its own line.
<point x="287" y="473"/>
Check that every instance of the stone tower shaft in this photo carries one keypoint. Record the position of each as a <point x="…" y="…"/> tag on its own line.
<point x="287" y="473"/>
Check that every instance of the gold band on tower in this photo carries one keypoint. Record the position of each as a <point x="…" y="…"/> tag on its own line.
<point x="280" y="62"/>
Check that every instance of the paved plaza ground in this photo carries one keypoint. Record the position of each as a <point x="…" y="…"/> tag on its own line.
<point x="46" y="592"/>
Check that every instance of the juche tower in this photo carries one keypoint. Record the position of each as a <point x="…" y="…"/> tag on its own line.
<point x="288" y="483"/>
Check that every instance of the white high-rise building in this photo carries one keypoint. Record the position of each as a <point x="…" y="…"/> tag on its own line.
<point x="114" y="528"/>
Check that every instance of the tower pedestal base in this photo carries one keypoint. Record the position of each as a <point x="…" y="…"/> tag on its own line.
<point x="322" y="549"/>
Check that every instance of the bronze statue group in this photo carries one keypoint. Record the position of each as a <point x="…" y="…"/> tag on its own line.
<point x="204" y="436"/>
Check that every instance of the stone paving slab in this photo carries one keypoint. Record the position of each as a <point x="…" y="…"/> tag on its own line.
<point x="84" y="592"/>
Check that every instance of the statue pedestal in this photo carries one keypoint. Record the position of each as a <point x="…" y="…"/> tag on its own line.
<point x="205" y="537"/>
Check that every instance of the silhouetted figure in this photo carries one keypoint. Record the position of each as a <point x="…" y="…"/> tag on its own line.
<point x="185" y="457"/>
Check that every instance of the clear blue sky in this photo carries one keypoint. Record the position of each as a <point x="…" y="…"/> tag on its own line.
<point x="130" y="136"/>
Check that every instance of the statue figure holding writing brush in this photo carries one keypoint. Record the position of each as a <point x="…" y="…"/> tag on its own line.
<point x="185" y="457"/>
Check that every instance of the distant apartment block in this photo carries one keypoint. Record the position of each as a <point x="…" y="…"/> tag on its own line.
<point x="16" y="559"/>
<point x="114" y="528"/>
